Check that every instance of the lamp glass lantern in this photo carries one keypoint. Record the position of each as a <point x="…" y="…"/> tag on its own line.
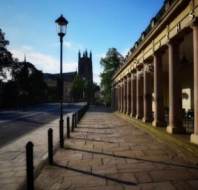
<point x="61" y="25"/>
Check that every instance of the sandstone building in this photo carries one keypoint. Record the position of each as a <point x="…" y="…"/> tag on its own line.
<point x="84" y="71"/>
<point x="159" y="81"/>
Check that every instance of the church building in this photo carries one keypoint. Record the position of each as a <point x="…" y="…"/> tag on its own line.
<point x="84" y="71"/>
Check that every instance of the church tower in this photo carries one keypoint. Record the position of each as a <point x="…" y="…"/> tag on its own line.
<point x="85" y="66"/>
<point x="85" y="71"/>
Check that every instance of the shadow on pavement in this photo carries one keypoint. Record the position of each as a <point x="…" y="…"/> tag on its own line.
<point x="86" y="139"/>
<point x="133" y="158"/>
<point x="96" y="175"/>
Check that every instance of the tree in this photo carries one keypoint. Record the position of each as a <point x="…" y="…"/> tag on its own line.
<point x="78" y="88"/>
<point x="20" y="82"/>
<point x="110" y="63"/>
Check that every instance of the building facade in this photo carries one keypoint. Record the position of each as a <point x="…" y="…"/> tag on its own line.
<point x="159" y="81"/>
<point x="84" y="71"/>
<point x="52" y="83"/>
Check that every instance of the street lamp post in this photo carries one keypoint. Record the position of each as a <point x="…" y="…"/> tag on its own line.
<point x="61" y="29"/>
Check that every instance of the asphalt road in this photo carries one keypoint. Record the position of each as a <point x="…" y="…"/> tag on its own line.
<point x="15" y="123"/>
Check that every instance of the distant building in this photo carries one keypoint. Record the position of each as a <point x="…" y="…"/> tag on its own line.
<point x="85" y="66"/>
<point x="84" y="71"/>
<point x="52" y="83"/>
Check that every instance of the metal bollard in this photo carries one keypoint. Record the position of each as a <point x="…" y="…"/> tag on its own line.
<point x="72" y="128"/>
<point x="76" y="119"/>
<point x="29" y="166"/>
<point x="68" y="128"/>
<point x="50" y="146"/>
<point x="75" y="124"/>
<point x="61" y="135"/>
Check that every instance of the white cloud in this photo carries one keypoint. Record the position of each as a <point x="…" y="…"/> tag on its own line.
<point x="50" y="64"/>
<point x="67" y="44"/>
<point x="125" y="51"/>
<point x="100" y="55"/>
<point x="44" y="62"/>
<point x="73" y="46"/>
<point x="96" y="78"/>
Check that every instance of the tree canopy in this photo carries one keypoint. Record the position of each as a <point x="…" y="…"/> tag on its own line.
<point x="110" y="63"/>
<point x="20" y="82"/>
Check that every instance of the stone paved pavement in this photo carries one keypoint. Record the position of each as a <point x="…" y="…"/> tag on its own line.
<point x="12" y="156"/>
<point x="107" y="153"/>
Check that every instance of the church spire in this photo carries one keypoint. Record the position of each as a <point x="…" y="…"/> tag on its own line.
<point x="85" y="53"/>
<point x="24" y="58"/>
<point x="90" y="55"/>
<point x="79" y="55"/>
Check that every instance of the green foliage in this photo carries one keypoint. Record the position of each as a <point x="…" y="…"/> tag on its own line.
<point x="78" y="87"/>
<point x="26" y="87"/>
<point x="20" y="82"/>
<point x="110" y="63"/>
<point x="82" y="89"/>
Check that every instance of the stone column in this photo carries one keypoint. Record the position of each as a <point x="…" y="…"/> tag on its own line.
<point x="133" y="94"/>
<point x="194" y="136"/>
<point x="158" y="91"/>
<point x="125" y="95"/>
<point x="129" y="94"/>
<point x="175" y="94"/>
<point x="139" y="92"/>
<point x="112" y="98"/>
<point x="147" y="94"/>
<point x="118" y="97"/>
<point x="121" y="95"/>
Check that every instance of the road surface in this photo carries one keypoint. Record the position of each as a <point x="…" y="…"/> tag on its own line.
<point x="16" y="123"/>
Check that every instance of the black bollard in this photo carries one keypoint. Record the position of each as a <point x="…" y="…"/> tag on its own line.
<point x="68" y="128"/>
<point x="72" y="129"/>
<point x="76" y="119"/>
<point x="29" y="166"/>
<point x="61" y="135"/>
<point x="75" y="124"/>
<point x="50" y="146"/>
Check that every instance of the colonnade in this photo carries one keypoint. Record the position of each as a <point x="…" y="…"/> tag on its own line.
<point x="134" y="93"/>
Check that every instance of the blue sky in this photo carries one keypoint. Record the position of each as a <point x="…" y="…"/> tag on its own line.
<point x="94" y="25"/>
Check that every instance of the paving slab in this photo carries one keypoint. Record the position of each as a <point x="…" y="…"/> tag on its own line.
<point x="107" y="152"/>
<point x="13" y="160"/>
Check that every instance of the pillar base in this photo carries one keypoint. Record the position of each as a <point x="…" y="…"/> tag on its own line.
<point x="194" y="138"/>
<point x="125" y="112"/>
<point x="147" y="120"/>
<point x="128" y="113"/>
<point x="138" y="117"/>
<point x="158" y="123"/>
<point x="132" y="115"/>
<point x="174" y="130"/>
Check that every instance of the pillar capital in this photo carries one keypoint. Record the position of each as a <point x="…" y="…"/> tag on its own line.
<point x="175" y="41"/>
<point x="194" y="22"/>
<point x="139" y="66"/>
